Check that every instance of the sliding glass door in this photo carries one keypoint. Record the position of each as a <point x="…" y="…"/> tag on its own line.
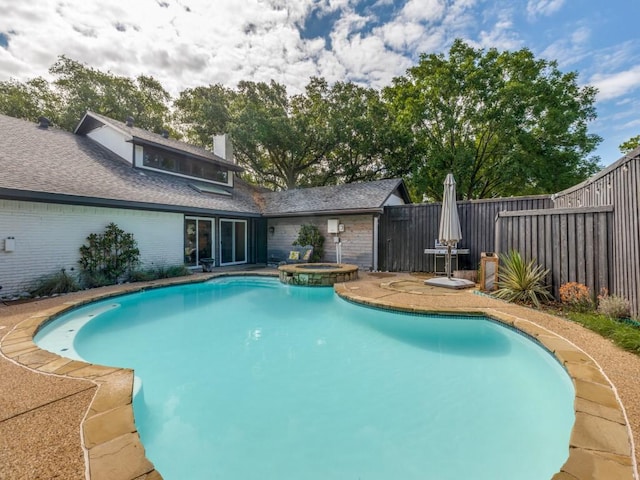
<point x="198" y="240"/>
<point x="233" y="241"/>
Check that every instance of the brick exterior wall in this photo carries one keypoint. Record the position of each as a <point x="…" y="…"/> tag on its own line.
<point x="357" y="238"/>
<point x="48" y="238"/>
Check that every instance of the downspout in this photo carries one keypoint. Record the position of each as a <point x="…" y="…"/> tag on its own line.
<point x="376" y="220"/>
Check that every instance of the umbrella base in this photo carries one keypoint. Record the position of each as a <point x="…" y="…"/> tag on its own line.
<point x="455" y="283"/>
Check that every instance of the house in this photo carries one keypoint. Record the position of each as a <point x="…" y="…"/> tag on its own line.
<point x="182" y="203"/>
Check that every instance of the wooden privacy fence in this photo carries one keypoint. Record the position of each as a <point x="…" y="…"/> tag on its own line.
<point x="575" y="245"/>
<point x="617" y="185"/>
<point x="406" y="230"/>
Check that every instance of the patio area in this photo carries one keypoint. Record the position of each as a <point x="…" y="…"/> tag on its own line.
<point x="47" y="398"/>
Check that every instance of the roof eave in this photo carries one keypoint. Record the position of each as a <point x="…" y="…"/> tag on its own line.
<point x="66" y="199"/>
<point x="318" y="213"/>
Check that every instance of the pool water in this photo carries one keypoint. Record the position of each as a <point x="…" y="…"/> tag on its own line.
<point x="250" y="379"/>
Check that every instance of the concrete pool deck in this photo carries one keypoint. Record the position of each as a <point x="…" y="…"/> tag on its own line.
<point x="66" y="419"/>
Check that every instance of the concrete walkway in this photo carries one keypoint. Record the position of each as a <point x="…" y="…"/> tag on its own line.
<point x="70" y="420"/>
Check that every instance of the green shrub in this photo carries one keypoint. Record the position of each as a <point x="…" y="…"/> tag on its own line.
<point x="56" y="283"/>
<point x="310" y="235"/>
<point x="94" y="279"/>
<point x="172" y="271"/>
<point x="519" y="281"/>
<point x="161" y="271"/>
<point x="142" y="275"/>
<point x="613" y="306"/>
<point x="109" y="257"/>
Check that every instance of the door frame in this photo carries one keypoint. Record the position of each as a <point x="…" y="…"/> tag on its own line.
<point x="233" y="241"/>
<point x="212" y="238"/>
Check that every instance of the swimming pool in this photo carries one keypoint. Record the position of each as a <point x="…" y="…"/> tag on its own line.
<point x="246" y="378"/>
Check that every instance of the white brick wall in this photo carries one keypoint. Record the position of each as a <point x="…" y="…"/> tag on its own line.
<point x="357" y="238"/>
<point x="48" y="238"/>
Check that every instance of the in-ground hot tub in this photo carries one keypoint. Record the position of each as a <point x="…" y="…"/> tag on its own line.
<point x="317" y="274"/>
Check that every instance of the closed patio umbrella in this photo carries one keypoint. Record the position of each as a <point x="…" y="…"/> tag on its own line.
<point x="449" y="233"/>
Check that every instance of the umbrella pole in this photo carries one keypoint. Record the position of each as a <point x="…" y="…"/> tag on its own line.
<point x="449" y="261"/>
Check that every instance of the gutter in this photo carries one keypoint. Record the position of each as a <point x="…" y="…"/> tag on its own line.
<point x="64" y="199"/>
<point x="318" y="213"/>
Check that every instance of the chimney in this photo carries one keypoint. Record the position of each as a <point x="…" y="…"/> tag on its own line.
<point x="44" y="122"/>
<point x="129" y="121"/>
<point x="222" y="147"/>
<point x="165" y="133"/>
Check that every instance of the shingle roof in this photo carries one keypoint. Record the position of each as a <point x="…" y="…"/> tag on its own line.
<point x="52" y="161"/>
<point x="92" y="120"/>
<point x="369" y="196"/>
<point x="58" y="166"/>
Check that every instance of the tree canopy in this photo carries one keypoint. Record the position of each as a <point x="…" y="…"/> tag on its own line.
<point x="504" y="123"/>
<point x="631" y="144"/>
<point x="77" y="88"/>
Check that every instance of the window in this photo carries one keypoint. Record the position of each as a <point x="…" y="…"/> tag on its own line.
<point x="191" y="167"/>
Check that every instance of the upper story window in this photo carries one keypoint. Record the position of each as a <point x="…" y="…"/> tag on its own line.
<point x="176" y="163"/>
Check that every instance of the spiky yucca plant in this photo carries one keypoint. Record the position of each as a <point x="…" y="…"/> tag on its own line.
<point x="519" y="281"/>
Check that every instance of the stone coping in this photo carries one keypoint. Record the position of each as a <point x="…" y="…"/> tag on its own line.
<point x="317" y="274"/>
<point x="601" y="445"/>
<point x="319" y="268"/>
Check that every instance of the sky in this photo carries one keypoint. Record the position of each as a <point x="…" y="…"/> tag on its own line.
<point x="188" y="43"/>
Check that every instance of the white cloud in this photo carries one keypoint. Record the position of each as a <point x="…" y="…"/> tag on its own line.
<point x="502" y="36"/>
<point x="571" y="48"/>
<point x="423" y="10"/>
<point x="539" y="8"/>
<point x="365" y="58"/>
<point x="402" y="36"/>
<point x="617" y="84"/>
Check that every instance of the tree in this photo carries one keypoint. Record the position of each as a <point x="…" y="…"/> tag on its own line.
<point x="77" y="88"/>
<point x="357" y="122"/>
<point x="83" y="88"/>
<point x="503" y="123"/>
<point x="629" y="145"/>
<point x="29" y="100"/>
<point x="276" y="138"/>
<point x="202" y="112"/>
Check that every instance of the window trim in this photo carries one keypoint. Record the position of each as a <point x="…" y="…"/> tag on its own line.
<point x="139" y="162"/>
